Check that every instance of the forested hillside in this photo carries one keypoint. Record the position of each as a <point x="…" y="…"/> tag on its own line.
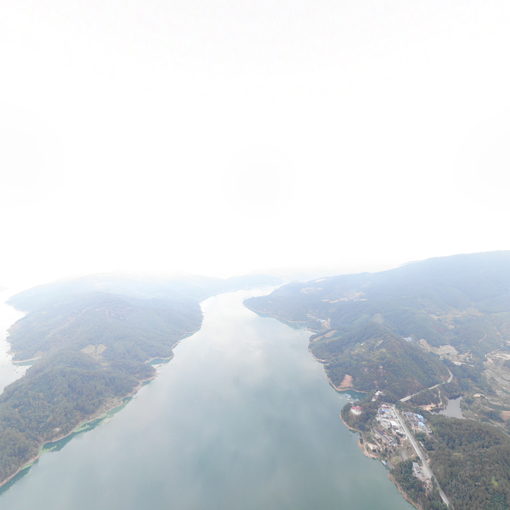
<point x="462" y="302"/>
<point x="472" y="462"/>
<point x="423" y="333"/>
<point x="91" y="342"/>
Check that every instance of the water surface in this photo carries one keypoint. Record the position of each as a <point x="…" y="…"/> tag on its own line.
<point x="242" y="418"/>
<point x="8" y="316"/>
<point x="453" y="409"/>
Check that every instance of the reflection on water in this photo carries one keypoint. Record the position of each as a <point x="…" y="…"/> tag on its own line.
<point x="241" y="418"/>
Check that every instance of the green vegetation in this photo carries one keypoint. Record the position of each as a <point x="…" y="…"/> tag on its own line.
<point x="403" y="475"/>
<point x="93" y="340"/>
<point x="369" y="325"/>
<point x="93" y="350"/>
<point x="403" y="332"/>
<point x="378" y="360"/>
<point x="128" y="329"/>
<point x="362" y="421"/>
<point x="427" y="397"/>
<point x="51" y="400"/>
<point x="471" y="461"/>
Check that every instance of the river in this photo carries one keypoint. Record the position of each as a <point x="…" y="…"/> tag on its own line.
<point x="242" y="418"/>
<point x="8" y="316"/>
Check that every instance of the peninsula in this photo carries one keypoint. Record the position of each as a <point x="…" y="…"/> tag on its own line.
<point x="412" y="338"/>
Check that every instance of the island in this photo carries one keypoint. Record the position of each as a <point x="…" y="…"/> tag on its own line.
<point x="411" y="340"/>
<point x="91" y="344"/>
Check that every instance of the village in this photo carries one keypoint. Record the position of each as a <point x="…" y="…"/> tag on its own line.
<point x="391" y="439"/>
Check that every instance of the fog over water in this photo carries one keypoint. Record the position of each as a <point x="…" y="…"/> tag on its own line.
<point x="242" y="417"/>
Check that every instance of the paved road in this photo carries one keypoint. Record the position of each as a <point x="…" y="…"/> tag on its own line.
<point x="421" y="455"/>
<point x="405" y="399"/>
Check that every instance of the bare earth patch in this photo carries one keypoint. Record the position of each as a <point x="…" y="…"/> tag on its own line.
<point x="346" y="383"/>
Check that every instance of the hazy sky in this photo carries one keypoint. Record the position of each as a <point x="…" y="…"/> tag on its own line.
<point x="222" y="137"/>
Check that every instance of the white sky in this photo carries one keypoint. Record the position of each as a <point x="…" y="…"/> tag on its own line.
<point x="221" y="137"/>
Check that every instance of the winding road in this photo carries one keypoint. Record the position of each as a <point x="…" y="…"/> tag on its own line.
<point x="408" y="397"/>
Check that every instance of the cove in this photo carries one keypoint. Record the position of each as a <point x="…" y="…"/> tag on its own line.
<point x="242" y="417"/>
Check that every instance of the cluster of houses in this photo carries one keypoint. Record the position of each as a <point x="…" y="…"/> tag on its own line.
<point x="389" y="438"/>
<point x="387" y="418"/>
<point x="389" y="426"/>
<point x="417" y="422"/>
<point x="389" y="431"/>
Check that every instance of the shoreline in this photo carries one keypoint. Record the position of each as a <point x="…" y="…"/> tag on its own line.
<point x="360" y="440"/>
<point x="303" y="325"/>
<point x="362" y="446"/>
<point x="403" y="493"/>
<point x="296" y="324"/>
<point x="100" y="414"/>
<point x="338" y="389"/>
<point x="350" y="427"/>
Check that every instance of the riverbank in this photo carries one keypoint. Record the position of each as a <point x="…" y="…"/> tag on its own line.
<point x="173" y="444"/>
<point x="361" y="442"/>
<point x="73" y="382"/>
<point x="106" y="410"/>
<point x="339" y="389"/>
<point x="345" y="387"/>
<point x="371" y="454"/>
<point x="9" y="371"/>
<point x="113" y="406"/>
<point x="403" y="493"/>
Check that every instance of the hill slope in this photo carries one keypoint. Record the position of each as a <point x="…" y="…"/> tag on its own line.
<point x="91" y="342"/>
<point x="417" y="335"/>
<point x="458" y="307"/>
